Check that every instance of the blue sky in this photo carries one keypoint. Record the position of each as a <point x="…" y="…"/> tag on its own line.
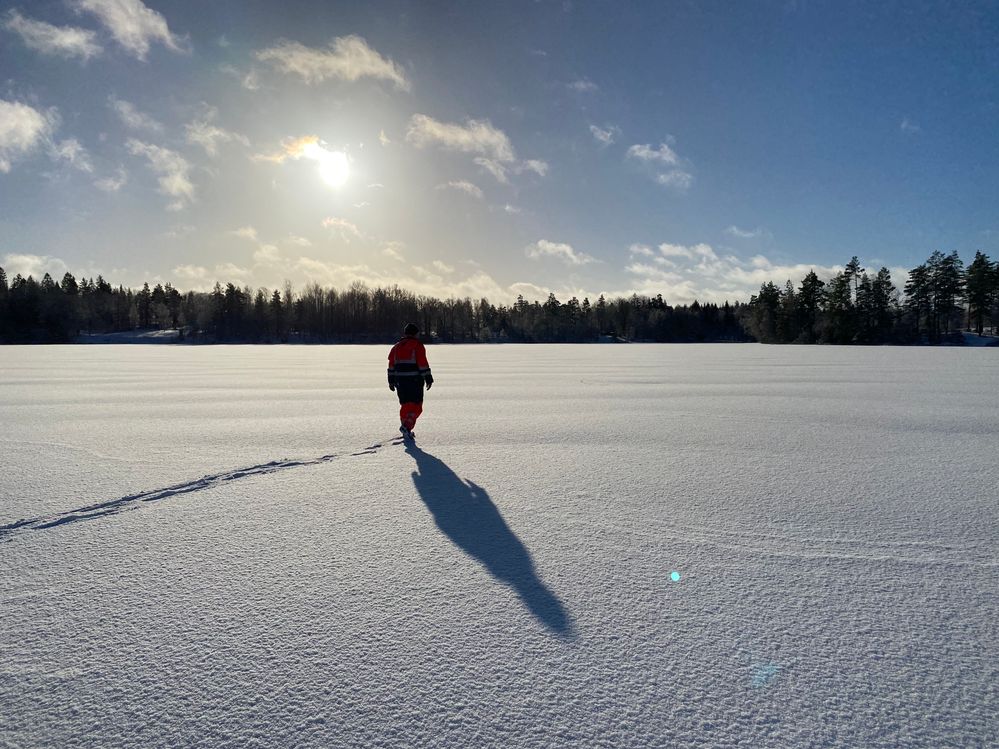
<point x="693" y="149"/>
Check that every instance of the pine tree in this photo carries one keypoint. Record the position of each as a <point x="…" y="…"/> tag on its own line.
<point x="840" y="310"/>
<point x="980" y="291"/>
<point x="811" y="299"/>
<point x="144" y="305"/>
<point x="919" y="297"/>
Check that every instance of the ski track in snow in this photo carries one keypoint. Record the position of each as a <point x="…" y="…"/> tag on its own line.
<point x="131" y="501"/>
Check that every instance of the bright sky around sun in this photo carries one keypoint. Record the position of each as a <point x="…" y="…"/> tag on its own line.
<point x="693" y="149"/>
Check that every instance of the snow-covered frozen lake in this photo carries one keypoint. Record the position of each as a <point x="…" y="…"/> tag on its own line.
<point x="228" y="546"/>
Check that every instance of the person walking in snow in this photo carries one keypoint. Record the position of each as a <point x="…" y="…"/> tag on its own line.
<point x="408" y="371"/>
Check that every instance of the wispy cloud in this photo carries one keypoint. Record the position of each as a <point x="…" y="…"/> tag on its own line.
<point x="662" y="155"/>
<point x="462" y="186"/>
<point x="304" y="147"/>
<point x="348" y="58"/>
<point x="61" y="41"/>
<point x="33" y="265"/>
<point x="532" y="165"/>
<point x="558" y="250"/>
<point x="172" y="170"/>
<point x="22" y="129"/>
<point x="73" y="153"/>
<point x="495" y="168"/>
<point x="676" y="178"/>
<point x="205" y="133"/>
<point x="343" y="227"/>
<point x="131" y="117"/>
<point x="112" y="184"/>
<point x="683" y="273"/>
<point x="443" y="267"/>
<point x="735" y="231"/>
<point x="474" y="136"/>
<point x="605" y="136"/>
<point x="245" y="232"/>
<point x="493" y="149"/>
<point x="909" y="127"/>
<point x="133" y="25"/>
<point x="583" y="86"/>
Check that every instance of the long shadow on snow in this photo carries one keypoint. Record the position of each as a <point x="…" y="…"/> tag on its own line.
<point x="466" y="515"/>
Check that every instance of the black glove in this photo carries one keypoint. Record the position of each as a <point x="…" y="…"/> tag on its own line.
<point x="392" y="386"/>
<point x="429" y="379"/>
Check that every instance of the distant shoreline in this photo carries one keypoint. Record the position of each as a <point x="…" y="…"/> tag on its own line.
<point x="174" y="337"/>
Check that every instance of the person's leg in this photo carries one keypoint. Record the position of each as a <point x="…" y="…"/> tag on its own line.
<point x="410" y="401"/>
<point x="409" y="413"/>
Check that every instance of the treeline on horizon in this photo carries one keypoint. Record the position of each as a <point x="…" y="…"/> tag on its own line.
<point x="941" y="298"/>
<point x="854" y="307"/>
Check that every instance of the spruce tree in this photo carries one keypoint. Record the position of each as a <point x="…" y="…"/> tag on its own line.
<point x="980" y="291"/>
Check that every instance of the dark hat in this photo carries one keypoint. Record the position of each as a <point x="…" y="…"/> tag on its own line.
<point x="412" y="329"/>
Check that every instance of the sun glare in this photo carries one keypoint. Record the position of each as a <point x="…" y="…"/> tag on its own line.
<point x="334" y="168"/>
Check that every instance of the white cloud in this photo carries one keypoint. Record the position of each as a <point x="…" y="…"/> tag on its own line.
<point x="132" y="24"/>
<point x="200" y="278"/>
<point x="494" y="168"/>
<point x="735" y="231"/>
<point x="475" y="136"/>
<point x="654" y="158"/>
<point x="443" y="267"/>
<point x="663" y="155"/>
<point x="533" y="165"/>
<point x="267" y="253"/>
<point x="172" y="169"/>
<point x="383" y="138"/>
<point x="33" y="265"/>
<point x="250" y="81"/>
<point x="641" y="249"/>
<point x="682" y="273"/>
<point x="393" y="250"/>
<point x="299" y="241"/>
<point x="511" y="208"/>
<point x="62" y="41"/>
<point x="909" y="127"/>
<point x="179" y="231"/>
<point x="583" y="86"/>
<point x="605" y="136"/>
<point x="343" y="227"/>
<point x="72" y="153"/>
<point x="207" y="135"/>
<point x="131" y="117"/>
<point x="348" y="58"/>
<point x="245" y="232"/>
<point x="462" y="186"/>
<point x="22" y="129"/>
<point x="561" y="251"/>
<point x="494" y="151"/>
<point x="112" y="184"/>
<point x="676" y="250"/>
<point x="676" y="178"/>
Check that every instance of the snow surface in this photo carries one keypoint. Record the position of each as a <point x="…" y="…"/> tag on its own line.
<point x="229" y="546"/>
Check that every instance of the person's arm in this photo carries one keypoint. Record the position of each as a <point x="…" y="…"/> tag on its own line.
<point x="424" y="365"/>
<point x="391" y="369"/>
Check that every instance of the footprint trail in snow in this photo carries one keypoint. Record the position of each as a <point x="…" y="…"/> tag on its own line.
<point x="131" y="501"/>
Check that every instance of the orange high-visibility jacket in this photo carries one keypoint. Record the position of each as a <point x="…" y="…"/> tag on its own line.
<point x="408" y="358"/>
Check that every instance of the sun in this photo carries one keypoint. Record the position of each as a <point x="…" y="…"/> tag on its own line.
<point x="334" y="168"/>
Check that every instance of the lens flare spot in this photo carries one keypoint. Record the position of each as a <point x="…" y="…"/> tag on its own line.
<point x="674" y="576"/>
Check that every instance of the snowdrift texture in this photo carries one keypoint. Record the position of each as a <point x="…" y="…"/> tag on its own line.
<point x="229" y="546"/>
